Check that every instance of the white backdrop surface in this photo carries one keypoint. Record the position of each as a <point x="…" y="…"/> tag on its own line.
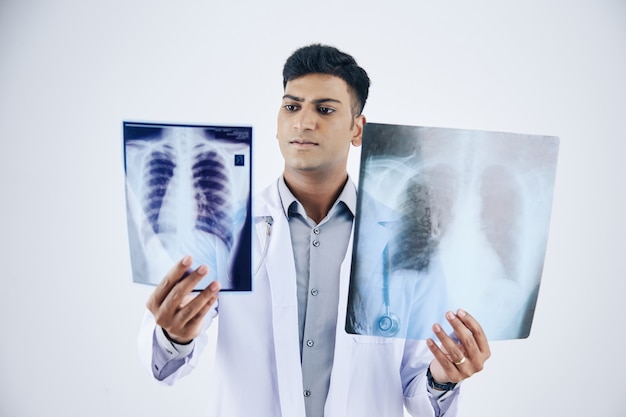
<point x="70" y="72"/>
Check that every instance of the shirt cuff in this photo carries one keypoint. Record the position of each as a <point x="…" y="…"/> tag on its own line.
<point x="172" y="349"/>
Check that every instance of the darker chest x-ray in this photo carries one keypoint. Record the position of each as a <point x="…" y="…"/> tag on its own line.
<point x="449" y="219"/>
<point x="188" y="193"/>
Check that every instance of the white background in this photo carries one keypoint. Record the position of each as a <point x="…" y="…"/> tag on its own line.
<point x="71" y="71"/>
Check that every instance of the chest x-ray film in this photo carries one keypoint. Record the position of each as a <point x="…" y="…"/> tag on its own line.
<point x="188" y="193"/>
<point x="449" y="219"/>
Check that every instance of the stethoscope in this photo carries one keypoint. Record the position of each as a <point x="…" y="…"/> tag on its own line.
<point x="268" y="231"/>
<point x="388" y="324"/>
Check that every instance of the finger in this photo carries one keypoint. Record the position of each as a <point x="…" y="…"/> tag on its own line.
<point x="452" y="374"/>
<point x="172" y="277"/>
<point x="190" y="281"/>
<point x="479" y="335"/>
<point x="189" y="319"/>
<point x="182" y="288"/>
<point x="449" y="345"/>
<point x="187" y="299"/>
<point x="200" y="305"/>
<point x="464" y="334"/>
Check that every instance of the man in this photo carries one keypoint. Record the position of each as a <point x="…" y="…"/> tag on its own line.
<point x="281" y="349"/>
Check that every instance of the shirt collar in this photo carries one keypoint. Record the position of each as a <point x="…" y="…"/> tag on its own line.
<point x="347" y="197"/>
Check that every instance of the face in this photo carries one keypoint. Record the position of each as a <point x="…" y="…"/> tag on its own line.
<point x="316" y="126"/>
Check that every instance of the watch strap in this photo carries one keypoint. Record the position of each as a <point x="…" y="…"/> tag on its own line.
<point x="448" y="386"/>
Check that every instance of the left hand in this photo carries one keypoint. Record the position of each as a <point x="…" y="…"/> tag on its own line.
<point x="455" y="361"/>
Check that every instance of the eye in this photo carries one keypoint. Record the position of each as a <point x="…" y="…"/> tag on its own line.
<point x="325" y="110"/>
<point x="290" y="107"/>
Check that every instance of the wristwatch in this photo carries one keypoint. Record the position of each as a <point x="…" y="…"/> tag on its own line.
<point x="448" y="386"/>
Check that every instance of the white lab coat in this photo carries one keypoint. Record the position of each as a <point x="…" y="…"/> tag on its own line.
<point x="257" y="368"/>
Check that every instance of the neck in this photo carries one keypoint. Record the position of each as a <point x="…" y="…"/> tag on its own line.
<point x="316" y="194"/>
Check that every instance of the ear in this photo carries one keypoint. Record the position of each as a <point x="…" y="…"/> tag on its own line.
<point x="357" y="130"/>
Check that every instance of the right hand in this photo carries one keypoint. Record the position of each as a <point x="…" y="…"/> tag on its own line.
<point x="175" y="308"/>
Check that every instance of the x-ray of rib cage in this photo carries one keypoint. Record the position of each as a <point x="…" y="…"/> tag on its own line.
<point x="449" y="219"/>
<point x="188" y="193"/>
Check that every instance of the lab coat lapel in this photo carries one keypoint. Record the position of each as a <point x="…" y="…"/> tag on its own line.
<point x="280" y="268"/>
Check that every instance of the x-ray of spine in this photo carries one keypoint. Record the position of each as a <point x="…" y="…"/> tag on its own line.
<point x="464" y="216"/>
<point x="188" y="193"/>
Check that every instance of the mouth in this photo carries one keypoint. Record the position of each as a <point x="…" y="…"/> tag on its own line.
<point x="303" y="142"/>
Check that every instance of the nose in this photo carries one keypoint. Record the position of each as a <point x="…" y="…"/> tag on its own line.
<point x="306" y="119"/>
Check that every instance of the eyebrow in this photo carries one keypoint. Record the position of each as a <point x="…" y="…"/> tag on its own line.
<point x="317" y="101"/>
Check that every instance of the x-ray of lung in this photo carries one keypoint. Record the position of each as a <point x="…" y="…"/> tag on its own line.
<point x="448" y="219"/>
<point x="188" y="193"/>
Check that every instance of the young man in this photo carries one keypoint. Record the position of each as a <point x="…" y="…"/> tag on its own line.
<point x="282" y="349"/>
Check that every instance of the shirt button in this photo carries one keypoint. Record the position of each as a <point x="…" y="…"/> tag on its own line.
<point x="314" y="292"/>
<point x="316" y="243"/>
<point x="307" y="393"/>
<point x="316" y="231"/>
<point x="310" y="343"/>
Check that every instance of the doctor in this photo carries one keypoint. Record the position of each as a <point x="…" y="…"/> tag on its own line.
<point x="282" y="349"/>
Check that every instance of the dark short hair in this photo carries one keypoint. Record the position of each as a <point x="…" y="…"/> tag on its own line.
<point x="324" y="59"/>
